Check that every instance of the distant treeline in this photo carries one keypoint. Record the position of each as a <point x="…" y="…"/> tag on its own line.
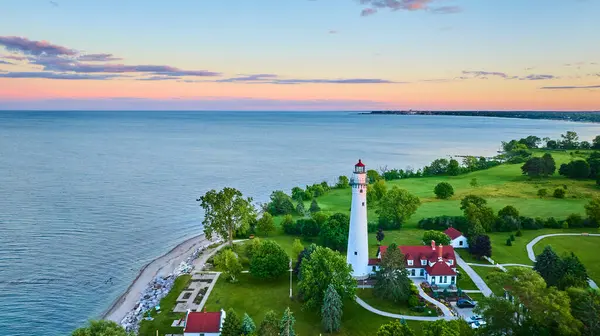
<point x="567" y="116"/>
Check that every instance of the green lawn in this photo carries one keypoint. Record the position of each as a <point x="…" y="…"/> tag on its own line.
<point x="256" y="297"/>
<point x="484" y="272"/>
<point x="162" y="321"/>
<point x="385" y="305"/>
<point x="475" y="296"/>
<point x="465" y="282"/>
<point x="585" y="248"/>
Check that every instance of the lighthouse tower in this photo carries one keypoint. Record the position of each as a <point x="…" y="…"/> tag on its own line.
<point x="358" y="239"/>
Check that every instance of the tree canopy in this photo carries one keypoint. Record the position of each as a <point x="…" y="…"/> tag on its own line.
<point x="225" y="212"/>
<point x="392" y="278"/>
<point x="232" y="326"/>
<point x="269" y="325"/>
<point x="395" y="328"/>
<point x="438" y="236"/>
<point x="266" y="224"/>
<point x="443" y="190"/>
<point x="101" y="328"/>
<point x="331" y="311"/>
<point x="270" y="261"/>
<point x="286" y="325"/>
<point x="280" y="204"/>
<point x="334" y="232"/>
<point x="397" y="206"/>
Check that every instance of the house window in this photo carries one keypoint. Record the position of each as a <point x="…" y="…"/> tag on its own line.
<point x="445" y="279"/>
<point x="410" y="263"/>
<point x="412" y="272"/>
<point x="423" y="262"/>
<point x="363" y="203"/>
<point x="433" y="280"/>
<point x="460" y="243"/>
<point x="452" y="280"/>
<point x="374" y="269"/>
<point x="422" y="272"/>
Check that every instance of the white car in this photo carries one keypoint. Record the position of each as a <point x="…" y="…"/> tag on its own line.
<point x="475" y="317"/>
<point x="477" y="324"/>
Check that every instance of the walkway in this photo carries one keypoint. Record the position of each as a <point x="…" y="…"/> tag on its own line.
<point x="207" y="294"/>
<point x="503" y="265"/>
<point x="483" y="287"/>
<point x="531" y="255"/>
<point x="445" y="310"/>
<point x="398" y="316"/>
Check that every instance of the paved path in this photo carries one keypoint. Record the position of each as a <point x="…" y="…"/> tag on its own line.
<point x="471" y="291"/>
<point x="207" y="294"/>
<point x="483" y="287"/>
<point x="503" y="265"/>
<point x="398" y="316"/>
<point x="445" y="310"/>
<point x="535" y="240"/>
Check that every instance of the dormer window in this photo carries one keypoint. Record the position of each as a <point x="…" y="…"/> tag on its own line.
<point x="410" y="262"/>
<point x="450" y="262"/>
<point x="423" y="262"/>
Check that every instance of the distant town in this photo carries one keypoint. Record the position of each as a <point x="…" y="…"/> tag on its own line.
<point x="588" y="116"/>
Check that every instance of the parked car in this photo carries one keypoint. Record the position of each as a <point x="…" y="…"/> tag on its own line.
<point x="462" y="303"/>
<point x="477" y="324"/>
<point x="476" y="317"/>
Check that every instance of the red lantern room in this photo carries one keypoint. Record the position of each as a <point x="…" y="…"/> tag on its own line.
<point x="359" y="168"/>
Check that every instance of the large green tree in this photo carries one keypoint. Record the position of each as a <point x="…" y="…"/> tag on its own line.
<point x="592" y="209"/>
<point x="270" y="261"/>
<point x="378" y="190"/>
<point x="280" y="204"/>
<point x="480" y="215"/>
<point x="395" y="328"/>
<point x="548" y="265"/>
<point x="480" y="246"/>
<point x="585" y="306"/>
<point x="438" y="236"/>
<point x="443" y="190"/>
<point x="397" y="206"/>
<point x="228" y="261"/>
<point x="225" y="212"/>
<point x="269" y="325"/>
<point x="440" y="328"/>
<point x="101" y="328"/>
<point x="232" y="326"/>
<point x="392" y="278"/>
<point x="343" y="182"/>
<point x="502" y="316"/>
<point x="334" y="232"/>
<point x="573" y="273"/>
<point x="472" y="199"/>
<point x="266" y="224"/>
<point x="331" y="311"/>
<point x="286" y="325"/>
<point x="453" y="168"/>
<point x="322" y="268"/>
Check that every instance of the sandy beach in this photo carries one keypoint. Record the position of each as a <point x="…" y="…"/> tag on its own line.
<point x="160" y="266"/>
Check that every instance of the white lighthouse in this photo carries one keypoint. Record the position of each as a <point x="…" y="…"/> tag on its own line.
<point x="358" y="239"/>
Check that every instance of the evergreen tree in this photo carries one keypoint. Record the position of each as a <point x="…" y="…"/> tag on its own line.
<point x="573" y="273"/>
<point x="248" y="326"/>
<point x="270" y="325"/>
<point x="481" y="246"/>
<point x="266" y="224"/>
<point x="548" y="265"/>
<point x="286" y="325"/>
<point x="300" y="208"/>
<point x="380" y="235"/>
<point x="392" y="278"/>
<point x="331" y="311"/>
<point x="395" y="328"/>
<point x="232" y="326"/>
<point x="314" y="206"/>
<point x="549" y="164"/>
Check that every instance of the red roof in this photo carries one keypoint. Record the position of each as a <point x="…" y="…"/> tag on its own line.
<point x="203" y="322"/>
<point x="359" y="164"/>
<point x="373" y="261"/>
<point x="440" y="268"/>
<point x="422" y="252"/>
<point x="453" y="233"/>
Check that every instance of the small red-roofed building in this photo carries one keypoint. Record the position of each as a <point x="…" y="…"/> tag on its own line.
<point x="434" y="264"/>
<point x="457" y="239"/>
<point x="204" y="323"/>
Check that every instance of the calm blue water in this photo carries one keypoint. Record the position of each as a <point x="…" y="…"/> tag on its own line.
<point x="86" y="196"/>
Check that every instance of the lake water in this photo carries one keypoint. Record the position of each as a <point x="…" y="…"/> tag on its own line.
<point x="86" y="197"/>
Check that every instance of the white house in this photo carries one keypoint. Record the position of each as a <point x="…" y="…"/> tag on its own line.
<point x="457" y="240"/>
<point x="434" y="264"/>
<point x="203" y="323"/>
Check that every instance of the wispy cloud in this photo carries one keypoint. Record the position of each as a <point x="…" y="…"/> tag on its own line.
<point x="157" y="78"/>
<point x="14" y="57"/>
<point x="488" y="74"/>
<point x="274" y="79"/>
<point x="570" y="87"/>
<point x="54" y="75"/>
<point x="6" y="62"/>
<point x="98" y="58"/>
<point x="479" y="74"/>
<point x="29" y="47"/>
<point x="372" y="6"/>
<point x="537" y="77"/>
<point x="368" y="11"/>
<point x="53" y="3"/>
<point x="446" y="10"/>
<point x="333" y="31"/>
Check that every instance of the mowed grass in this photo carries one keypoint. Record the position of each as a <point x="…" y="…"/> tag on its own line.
<point x="585" y="248"/>
<point x="484" y="273"/>
<point x="385" y="305"/>
<point x="465" y="282"/>
<point x="256" y="297"/>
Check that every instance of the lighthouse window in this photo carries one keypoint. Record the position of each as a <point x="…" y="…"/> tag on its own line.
<point x="360" y="191"/>
<point x="363" y="203"/>
<point x="355" y="253"/>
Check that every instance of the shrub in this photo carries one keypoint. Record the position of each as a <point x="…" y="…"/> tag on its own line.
<point x="512" y="237"/>
<point x="575" y="221"/>
<point x="519" y="233"/>
<point x="413" y="301"/>
<point x="288" y="225"/>
<point x="559" y="193"/>
<point x="372" y="227"/>
<point x="314" y="206"/>
<point x="508" y="242"/>
<point x="441" y="223"/>
<point x="308" y="227"/>
<point x="443" y="190"/>
<point x="552" y="223"/>
<point x="542" y="192"/>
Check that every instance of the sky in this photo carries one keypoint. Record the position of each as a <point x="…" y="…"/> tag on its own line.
<point x="300" y="54"/>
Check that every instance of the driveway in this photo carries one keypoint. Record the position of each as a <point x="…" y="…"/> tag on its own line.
<point x="483" y="287"/>
<point x="465" y="313"/>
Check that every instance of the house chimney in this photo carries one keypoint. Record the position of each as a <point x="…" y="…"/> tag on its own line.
<point x="433" y="245"/>
<point x="440" y="253"/>
<point x="205" y="309"/>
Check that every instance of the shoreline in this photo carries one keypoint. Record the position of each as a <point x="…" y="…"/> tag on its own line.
<point x="161" y="266"/>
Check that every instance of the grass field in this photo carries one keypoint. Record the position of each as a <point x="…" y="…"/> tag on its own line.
<point x="162" y="321"/>
<point x="256" y="297"/>
<point x="484" y="272"/>
<point x="465" y="281"/>
<point x="585" y="248"/>
<point x="367" y="295"/>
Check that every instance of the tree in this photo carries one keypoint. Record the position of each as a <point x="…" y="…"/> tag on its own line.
<point x="378" y="190"/>
<point x="395" y="207"/>
<point x="297" y="248"/>
<point x="281" y="203"/>
<point x="288" y="225"/>
<point x="575" y="221"/>
<point x="440" y="328"/>
<point x="539" y="167"/>
<point x="308" y="227"/>
<point x="551" y="144"/>
<point x="334" y="232"/>
<point x="373" y="176"/>
<point x="225" y="212"/>
<point x="585" y="306"/>
<point x="501" y="315"/>
<point x="508" y="242"/>
<point x="314" y="206"/>
<point x="509" y="211"/>
<point x="395" y="328"/>
<point x="392" y="278"/>
<point x="380" y="235"/>
<point x="331" y="311"/>
<point x="578" y="169"/>
<point x="324" y="267"/>
<point x="443" y="190"/>
<point x="304" y="255"/>
<point x="270" y="261"/>
<point x="482" y="215"/>
<point x="232" y="326"/>
<point x="573" y="273"/>
<point x="251" y="246"/>
<point x="270" y="325"/>
<point x="474" y="183"/>
<point x="437" y="167"/>
<point x="453" y="168"/>
<point x="569" y="140"/>
<point x="286" y="326"/>
<point x="542" y="192"/>
<point x="266" y="224"/>
<point x="592" y="209"/>
<point x="559" y="193"/>
<point x="297" y="194"/>
<point x="438" y="236"/>
<point x="101" y="328"/>
<point x="248" y="326"/>
<point x="300" y="208"/>
<point x="548" y="265"/>
<point x="596" y="142"/>
<point x="343" y="182"/>
<point x="472" y="199"/>
<point x="481" y="246"/>
<point x="549" y="164"/>
<point x="231" y="265"/>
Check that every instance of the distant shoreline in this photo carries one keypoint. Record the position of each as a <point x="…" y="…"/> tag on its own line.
<point x="591" y="117"/>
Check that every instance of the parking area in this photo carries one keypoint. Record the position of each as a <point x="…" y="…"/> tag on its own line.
<point x="465" y="313"/>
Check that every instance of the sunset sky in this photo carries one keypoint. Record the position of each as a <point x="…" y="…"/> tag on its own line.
<point x="300" y="54"/>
